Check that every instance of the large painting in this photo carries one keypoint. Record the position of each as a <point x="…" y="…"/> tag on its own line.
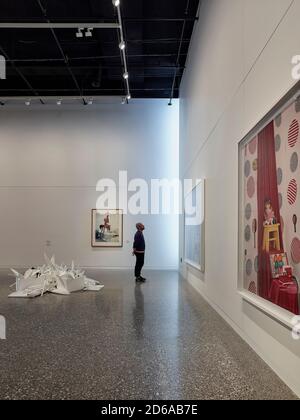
<point x="194" y="227"/>
<point x="270" y="208"/>
<point x="107" y="228"/>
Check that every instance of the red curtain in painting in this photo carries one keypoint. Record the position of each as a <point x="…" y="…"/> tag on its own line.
<point x="267" y="189"/>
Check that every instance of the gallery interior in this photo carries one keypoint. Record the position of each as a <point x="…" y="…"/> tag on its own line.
<point x="150" y="200"/>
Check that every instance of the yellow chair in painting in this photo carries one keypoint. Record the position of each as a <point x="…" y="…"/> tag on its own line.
<point x="271" y="236"/>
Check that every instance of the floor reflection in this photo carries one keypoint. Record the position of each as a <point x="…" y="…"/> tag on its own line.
<point x="138" y="312"/>
<point x="158" y="340"/>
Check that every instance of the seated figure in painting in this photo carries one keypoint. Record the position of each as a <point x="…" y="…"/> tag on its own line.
<point x="269" y="214"/>
<point x="99" y="234"/>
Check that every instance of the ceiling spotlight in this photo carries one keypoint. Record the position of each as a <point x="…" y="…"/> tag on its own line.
<point x="122" y="45"/>
<point x="126" y="75"/>
<point x="89" y="32"/>
<point x="128" y="97"/>
<point x="79" y="34"/>
<point x="28" y="102"/>
<point x="59" y="102"/>
<point x="116" y="3"/>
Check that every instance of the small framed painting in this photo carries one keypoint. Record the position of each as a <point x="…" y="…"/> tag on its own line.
<point x="107" y="228"/>
<point x="278" y="263"/>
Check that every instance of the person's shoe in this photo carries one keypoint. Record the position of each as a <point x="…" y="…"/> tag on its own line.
<point x="143" y="279"/>
<point x="140" y="280"/>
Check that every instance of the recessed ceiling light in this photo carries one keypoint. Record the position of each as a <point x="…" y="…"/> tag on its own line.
<point x="59" y="102"/>
<point x="122" y="45"/>
<point x="28" y="102"/>
<point x="116" y="3"/>
<point x="79" y="34"/>
<point x="89" y="33"/>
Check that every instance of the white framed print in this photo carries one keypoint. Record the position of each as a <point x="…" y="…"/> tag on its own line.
<point x="194" y="227"/>
<point x="107" y="228"/>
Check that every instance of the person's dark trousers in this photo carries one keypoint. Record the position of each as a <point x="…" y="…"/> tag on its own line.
<point x="140" y="259"/>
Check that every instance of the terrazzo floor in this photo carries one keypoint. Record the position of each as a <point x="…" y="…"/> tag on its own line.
<point x="159" y="340"/>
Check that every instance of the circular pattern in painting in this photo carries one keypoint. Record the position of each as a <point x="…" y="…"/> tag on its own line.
<point x="251" y="187"/>
<point x="294" y="162"/>
<point x="277" y="143"/>
<point x="252" y="146"/>
<point x="248" y="211"/>
<point x="247" y="168"/>
<point x="278" y="120"/>
<point x="279" y="176"/>
<point x="256" y="264"/>
<point x="292" y="192"/>
<point x="293" y="133"/>
<point x="249" y="268"/>
<point x="255" y="165"/>
<point x="247" y="233"/>
<point x="295" y="250"/>
<point x="252" y="288"/>
<point x="280" y="199"/>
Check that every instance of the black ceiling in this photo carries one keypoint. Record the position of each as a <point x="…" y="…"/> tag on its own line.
<point x="41" y="62"/>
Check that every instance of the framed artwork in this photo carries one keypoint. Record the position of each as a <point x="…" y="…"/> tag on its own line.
<point x="278" y="263"/>
<point x="107" y="228"/>
<point x="269" y="206"/>
<point x="194" y="227"/>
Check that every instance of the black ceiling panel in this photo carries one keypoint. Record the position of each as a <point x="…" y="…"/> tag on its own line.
<point x="45" y="62"/>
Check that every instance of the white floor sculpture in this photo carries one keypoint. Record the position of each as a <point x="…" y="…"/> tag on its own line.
<point x="52" y="278"/>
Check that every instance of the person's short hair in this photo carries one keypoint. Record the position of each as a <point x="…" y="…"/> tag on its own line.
<point x="139" y="226"/>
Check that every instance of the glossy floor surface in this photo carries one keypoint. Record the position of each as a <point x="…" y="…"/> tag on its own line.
<point x="158" y="340"/>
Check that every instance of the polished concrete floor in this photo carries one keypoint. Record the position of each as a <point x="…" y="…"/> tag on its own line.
<point x="159" y="340"/>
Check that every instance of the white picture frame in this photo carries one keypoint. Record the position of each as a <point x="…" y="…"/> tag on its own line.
<point x="276" y="312"/>
<point x="194" y="227"/>
<point x="107" y="228"/>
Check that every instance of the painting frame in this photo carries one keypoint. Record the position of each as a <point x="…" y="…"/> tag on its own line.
<point x="96" y="242"/>
<point x="290" y="99"/>
<point x="198" y="265"/>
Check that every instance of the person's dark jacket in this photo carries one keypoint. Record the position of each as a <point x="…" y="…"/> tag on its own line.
<point x="139" y="242"/>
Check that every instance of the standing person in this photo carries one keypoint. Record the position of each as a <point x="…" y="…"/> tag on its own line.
<point x="106" y="223"/>
<point x="139" y="251"/>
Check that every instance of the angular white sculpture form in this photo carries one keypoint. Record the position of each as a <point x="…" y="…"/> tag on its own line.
<point x="52" y="278"/>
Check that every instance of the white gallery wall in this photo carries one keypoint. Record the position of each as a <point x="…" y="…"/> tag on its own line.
<point x="239" y="67"/>
<point x="50" y="162"/>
